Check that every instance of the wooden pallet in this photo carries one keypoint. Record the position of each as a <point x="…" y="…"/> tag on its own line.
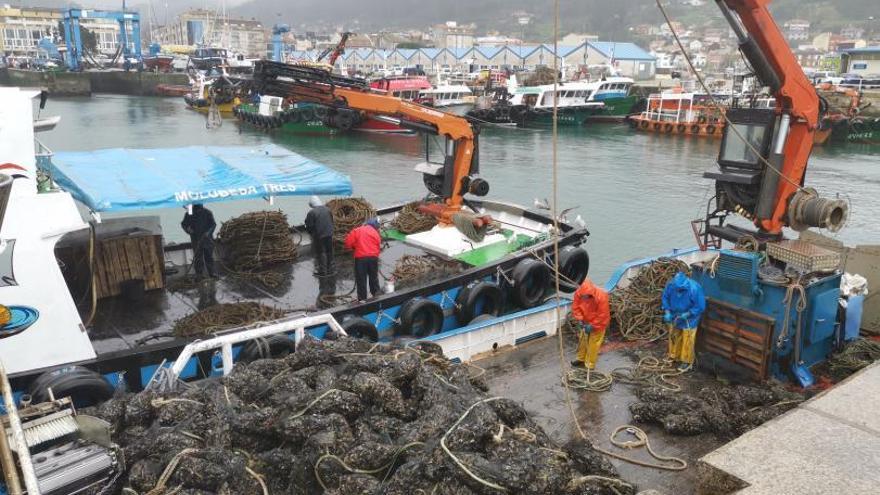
<point x="123" y="259"/>
<point x="737" y="335"/>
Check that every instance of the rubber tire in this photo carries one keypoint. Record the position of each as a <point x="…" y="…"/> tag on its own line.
<point x="295" y="116"/>
<point x="306" y="114"/>
<point x="710" y="129"/>
<point x="360" y="328"/>
<point x="667" y="128"/>
<point x="574" y="263"/>
<point x="682" y="128"/>
<point x="84" y="386"/>
<point x="695" y="129"/>
<point x="469" y="296"/>
<point x="481" y="318"/>
<point x="321" y="112"/>
<point x="643" y="124"/>
<point x="344" y="121"/>
<point x="530" y="278"/>
<point x="419" y="306"/>
<point x="279" y="346"/>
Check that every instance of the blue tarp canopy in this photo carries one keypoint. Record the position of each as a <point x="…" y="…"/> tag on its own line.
<point x="123" y="179"/>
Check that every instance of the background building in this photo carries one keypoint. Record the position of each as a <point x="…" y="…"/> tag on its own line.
<point x="205" y="27"/>
<point x="861" y="60"/>
<point x="797" y="30"/>
<point x="22" y="28"/>
<point x="451" y="35"/>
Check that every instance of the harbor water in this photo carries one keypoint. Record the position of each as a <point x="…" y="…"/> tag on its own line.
<point x="636" y="192"/>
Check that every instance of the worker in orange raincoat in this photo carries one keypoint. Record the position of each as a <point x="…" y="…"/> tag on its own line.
<point x="592" y="312"/>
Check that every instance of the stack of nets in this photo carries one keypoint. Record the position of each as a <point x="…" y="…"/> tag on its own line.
<point x="254" y="242"/>
<point x="410" y="220"/>
<point x="855" y="356"/>
<point x="346" y="417"/>
<point x="728" y="412"/>
<point x="636" y="309"/>
<point x="541" y="75"/>
<point x="411" y="270"/>
<point x="223" y="316"/>
<point x="349" y="213"/>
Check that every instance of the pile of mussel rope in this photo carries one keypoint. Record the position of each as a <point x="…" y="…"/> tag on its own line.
<point x="636" y="309"/>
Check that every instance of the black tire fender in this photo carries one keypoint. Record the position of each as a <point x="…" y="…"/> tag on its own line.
<point x="360" y="328"/>
<point x="488" y="294"/>
<point x="710" y="129"/>
<point x="295" y="116"/>
<point x="84" y="386"/>
<point x="530" y="280"/>
<point x="321" y="112"/>
<point x="420" y="317"/>
<point x="574" y="264"/>
<point x="667" y="128"/>
<point x="274" y="346"/>
<point x="643" y="124"/>
<point x="306" y="114"/>
<point x="682" y="128"/>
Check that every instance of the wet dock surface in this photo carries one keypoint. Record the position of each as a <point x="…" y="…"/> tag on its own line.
<point x="531" y="375"/>
<point x="120" y="323"/>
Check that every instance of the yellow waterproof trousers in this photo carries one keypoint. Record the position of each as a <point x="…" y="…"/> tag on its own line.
<point x="588" y="347"/>
<point x="681" y="344"/>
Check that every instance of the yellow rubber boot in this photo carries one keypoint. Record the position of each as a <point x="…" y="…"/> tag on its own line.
<point x="687" y="344"/>
<point x="594" y="343"/>
<point x="674" y="345"/>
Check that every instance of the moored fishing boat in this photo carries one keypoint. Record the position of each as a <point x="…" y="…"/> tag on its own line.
<point x="133" y="311"/>
<point x="206" y="92"/>
<point x="270" y="113"/>
<point x="457" y="98"/>
<point x="679" y="113"/>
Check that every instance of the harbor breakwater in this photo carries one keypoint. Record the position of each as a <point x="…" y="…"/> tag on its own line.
<point x="88" y="82"/>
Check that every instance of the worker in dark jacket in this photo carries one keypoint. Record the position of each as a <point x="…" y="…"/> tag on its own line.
<point x="200" y="226"/>
<point x="683" y="304"/>
<point x="366" y="244"/>
<point x="319" y="224"/>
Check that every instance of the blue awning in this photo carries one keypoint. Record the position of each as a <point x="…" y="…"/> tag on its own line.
<point x="122" y="179"/>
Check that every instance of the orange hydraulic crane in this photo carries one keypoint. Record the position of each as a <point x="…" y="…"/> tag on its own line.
<point x="764" y="153"/>
<point x="335" y="51"/>
<point x="348" y="98"/>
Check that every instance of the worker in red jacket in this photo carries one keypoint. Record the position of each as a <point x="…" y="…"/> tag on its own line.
<point x="366" y="244"/>
<point x="592" y="313"/>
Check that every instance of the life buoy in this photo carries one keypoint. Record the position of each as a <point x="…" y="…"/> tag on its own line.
<point x="478" y="298"/>
<point x="695" y="129"/>
<point x="682" y="128"/>
<point x="420" y="317"/>
<point x="667" y="128"/>
<point x="84" y="386"/>
<point x="710" y="129"/>
<point x="643" y="124"/>
<point x="574" y="264"/>
<point x="274" y="346"/>
<point x="360" y="328"/>
<point x="530" y="280"/>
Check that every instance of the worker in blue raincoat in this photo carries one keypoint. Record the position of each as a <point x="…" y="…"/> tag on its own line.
<point x="683" y="305"/>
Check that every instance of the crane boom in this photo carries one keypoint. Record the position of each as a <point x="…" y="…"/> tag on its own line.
<point x="341" y="94"/>
<point x="764" y="153"/>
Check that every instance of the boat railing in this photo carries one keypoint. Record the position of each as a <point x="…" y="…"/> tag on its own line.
<point x="42" y="153"/>
<point x="225" y="342"/>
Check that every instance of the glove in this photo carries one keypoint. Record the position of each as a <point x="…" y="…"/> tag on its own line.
<point x="667" y="316"/>
<point x="587" y="327"/>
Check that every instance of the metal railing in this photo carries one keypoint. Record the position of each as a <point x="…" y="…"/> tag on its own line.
<point x="225" y="342"/>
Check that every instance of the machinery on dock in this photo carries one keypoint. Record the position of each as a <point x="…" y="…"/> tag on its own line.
<point x="130" y="49"/>
<point x="349" y="100"/>
<point x="772" y="303"/>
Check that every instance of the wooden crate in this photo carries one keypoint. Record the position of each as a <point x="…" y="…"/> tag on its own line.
<point x="121" y="259"/>
<point x="737" y="335"/>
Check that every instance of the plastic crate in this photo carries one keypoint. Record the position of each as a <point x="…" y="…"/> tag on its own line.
<point x="804" y="256"/>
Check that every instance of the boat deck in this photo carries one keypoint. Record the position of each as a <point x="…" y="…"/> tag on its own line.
<point x="121" y="324"/>
<point x="530" y="374"/>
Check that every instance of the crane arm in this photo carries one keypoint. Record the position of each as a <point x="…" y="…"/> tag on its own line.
<point x="769" y="190"/>
<point x="314" y="85"/>
<point x="335" y="51"/>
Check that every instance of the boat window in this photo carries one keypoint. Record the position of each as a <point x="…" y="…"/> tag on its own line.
<point x="396" y="93"/>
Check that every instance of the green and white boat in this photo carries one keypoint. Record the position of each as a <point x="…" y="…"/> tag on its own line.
<point x="295" y="119"/>
<point x="578" y="102"/>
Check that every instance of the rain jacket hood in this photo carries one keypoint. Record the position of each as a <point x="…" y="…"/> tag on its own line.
<point x="590" y="305"/>
<point x="684" y="295"/>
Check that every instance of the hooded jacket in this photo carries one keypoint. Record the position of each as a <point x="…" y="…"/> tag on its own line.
<point x="319" y="222"/>
<point x="684" y="295"/>
<point x="590" y="305"/>
<point x="364" y="241"/>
